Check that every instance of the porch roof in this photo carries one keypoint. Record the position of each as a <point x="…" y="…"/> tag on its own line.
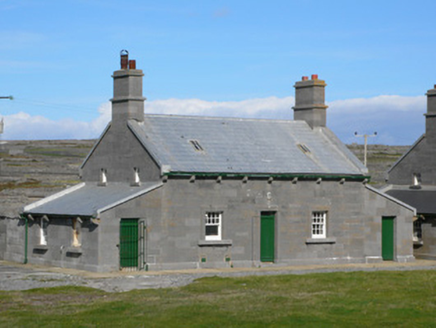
<point x="88" y="199"/>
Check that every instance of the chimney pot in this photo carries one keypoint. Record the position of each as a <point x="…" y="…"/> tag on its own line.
<point x="132" y="64"/>
<point x="304" y="78"/>
<point x="435" y="86"/>
<point x="314" y="76"/>
<point x="124" y="59"/>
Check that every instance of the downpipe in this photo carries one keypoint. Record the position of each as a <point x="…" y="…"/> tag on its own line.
<point x="26" y="235"/>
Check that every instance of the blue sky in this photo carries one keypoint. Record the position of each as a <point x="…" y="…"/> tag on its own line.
<point x="223" y="58"/>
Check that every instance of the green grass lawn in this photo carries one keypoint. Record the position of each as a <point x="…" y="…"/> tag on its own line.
<point x="358" y="299"/>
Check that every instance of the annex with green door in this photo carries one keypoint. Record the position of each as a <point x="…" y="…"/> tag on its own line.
<point x="183" y="192"/>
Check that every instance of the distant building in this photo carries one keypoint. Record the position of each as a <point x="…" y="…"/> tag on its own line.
<point x="412" y="179"/>
<point x="175" y="192"/>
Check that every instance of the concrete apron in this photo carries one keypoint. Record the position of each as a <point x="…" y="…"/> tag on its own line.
<point x="14" y="276"/>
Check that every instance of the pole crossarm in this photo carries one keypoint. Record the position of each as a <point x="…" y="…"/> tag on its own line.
<point x="2" y="123"/>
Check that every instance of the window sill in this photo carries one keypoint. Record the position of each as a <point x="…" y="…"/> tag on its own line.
<point x="40" y="247"/>
<point x="331" y="240"/>
<point x="74" y="250"/>
<point x="227" y="242"/>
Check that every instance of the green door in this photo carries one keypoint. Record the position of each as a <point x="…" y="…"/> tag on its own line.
<point x="388" y="238"/>
<point x="129" y="243"/>
<point x="267" y="235"/>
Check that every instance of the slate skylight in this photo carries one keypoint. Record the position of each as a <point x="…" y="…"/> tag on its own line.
<point x="304" y="148"/>
<point x="196" y="145"/>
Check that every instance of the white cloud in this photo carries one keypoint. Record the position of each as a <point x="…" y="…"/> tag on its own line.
<point x="375" y="104"/>
<point x="397" y="119"/>
<point x="271" y="107"/>
<point x="22" y="126"/>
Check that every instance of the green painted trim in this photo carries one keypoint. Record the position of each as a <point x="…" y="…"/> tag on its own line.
<point x="266" y="176"/>
<point x="61" y="216"/>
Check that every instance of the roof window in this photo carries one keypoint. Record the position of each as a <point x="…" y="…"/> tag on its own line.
<point x="304" y="148"/>
<point x="196" y="145"/>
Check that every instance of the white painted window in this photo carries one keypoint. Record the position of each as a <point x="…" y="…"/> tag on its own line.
<point x="76" y="232"/>
<point x="416" y="179"/>
<point x="213" y="225"/>
<point x="43" y="231"/>
<point x="136" y="179"/>
<point x="103" y="176"/>
<point x="319" y="225"/>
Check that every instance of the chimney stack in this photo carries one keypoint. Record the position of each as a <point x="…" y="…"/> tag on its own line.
<point x="430" y="116"/>
<point x="310" y="101"/>
<point x="127" y="102"/>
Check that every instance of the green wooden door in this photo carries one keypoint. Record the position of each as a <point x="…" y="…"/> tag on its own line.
<point x="388" y="238"/>
<point x="129" y="243"/>
<point x="267" y="236"/>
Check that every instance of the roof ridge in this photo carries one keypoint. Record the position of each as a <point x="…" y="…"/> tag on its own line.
<point x="217" y="118"/>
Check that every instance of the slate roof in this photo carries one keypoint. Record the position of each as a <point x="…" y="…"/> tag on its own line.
<point x="231" y="145"/>
<point x="423" y="200"/>
<point x="88" y="199"/>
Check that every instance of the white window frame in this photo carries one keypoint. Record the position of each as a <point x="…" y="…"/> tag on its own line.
<point x="318" y="225"/>
<point x="213" y="219"/>
<point x="43" y="231"/>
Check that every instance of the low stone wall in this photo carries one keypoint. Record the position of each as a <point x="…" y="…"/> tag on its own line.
<point x="12" y="239"/>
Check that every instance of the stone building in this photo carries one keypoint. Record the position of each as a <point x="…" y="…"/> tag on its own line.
<point x="412" y="179"/>
<point x="173" y="192"/>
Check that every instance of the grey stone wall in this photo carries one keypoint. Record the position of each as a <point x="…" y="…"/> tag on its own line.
<point x="60" y="250"/>
<point x="174" y="217"/>
<point x="175" y="230"/>
<point x="12" y="239"/>
<point x="415" y="161"/>
<point x="119" y="152"/>
<point x="378" y="206"/>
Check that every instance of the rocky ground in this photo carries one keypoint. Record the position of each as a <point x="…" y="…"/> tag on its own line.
<point x="31" y="170"/>
<point x="380" y="158"/>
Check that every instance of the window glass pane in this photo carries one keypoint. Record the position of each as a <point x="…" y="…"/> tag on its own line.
<point x="211" y="230"/>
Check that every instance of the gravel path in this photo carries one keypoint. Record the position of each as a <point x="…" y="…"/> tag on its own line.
<point x="21" y="277"/>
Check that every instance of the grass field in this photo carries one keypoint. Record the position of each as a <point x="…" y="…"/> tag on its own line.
<point x="357" y="299"/>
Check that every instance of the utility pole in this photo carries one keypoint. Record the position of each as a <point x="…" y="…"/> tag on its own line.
<point x="2" y="123"/>
<point x="365" y="136"/>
